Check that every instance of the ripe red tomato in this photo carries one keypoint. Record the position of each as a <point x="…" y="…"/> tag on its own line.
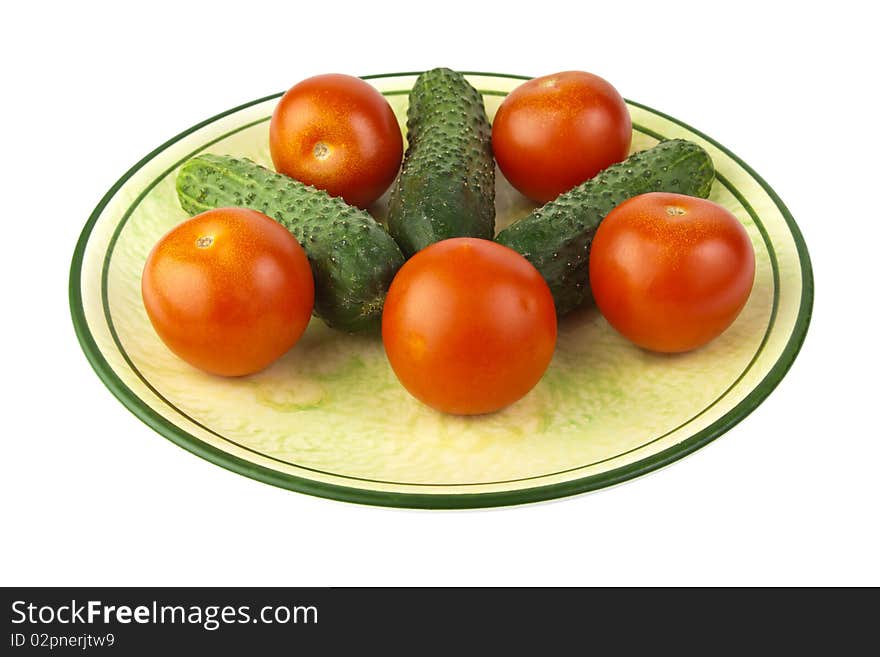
<point x="554" y="132"/>
<point x="338" y="133"/>
<point x="671" y="272"/>
<point x="469" y="326"/>
<point x="228" y="291"/>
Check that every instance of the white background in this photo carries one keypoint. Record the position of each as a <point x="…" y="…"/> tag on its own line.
<point x="92" y="496"/>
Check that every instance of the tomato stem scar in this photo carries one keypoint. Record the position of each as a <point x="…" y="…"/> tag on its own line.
<point x="675" y="211"/>
<point x="205" y="241"/>
<point x="321" y="151"/>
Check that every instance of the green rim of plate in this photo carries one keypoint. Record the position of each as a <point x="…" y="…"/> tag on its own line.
<point x="437" y="500"/>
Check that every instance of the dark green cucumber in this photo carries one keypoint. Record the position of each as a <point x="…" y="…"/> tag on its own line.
<point x="353" y="259"/>
<point x="446" y="187"/>
<point x="556" y="238"/>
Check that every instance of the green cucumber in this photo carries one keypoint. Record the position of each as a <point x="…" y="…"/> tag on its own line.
<point x="556" y="238"/>
<point x="446" y="187"/>
<point x="353" y="259"/>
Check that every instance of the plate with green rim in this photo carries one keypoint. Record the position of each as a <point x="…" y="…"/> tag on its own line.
<point x="330" y="418"/>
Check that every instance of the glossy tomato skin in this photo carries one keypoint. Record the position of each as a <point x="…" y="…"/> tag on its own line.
<point x="671" y="272"/>
<point x="469" y="326"/>
<point x="228" y="291"/>
<point x="338" y="133"/>
<point x="554" y="132"/>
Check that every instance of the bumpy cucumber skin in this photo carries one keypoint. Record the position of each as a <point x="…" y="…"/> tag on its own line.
<point x="446" y="187"/>
<point x="353" y="259"/>
<point x="556" y="238"/>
